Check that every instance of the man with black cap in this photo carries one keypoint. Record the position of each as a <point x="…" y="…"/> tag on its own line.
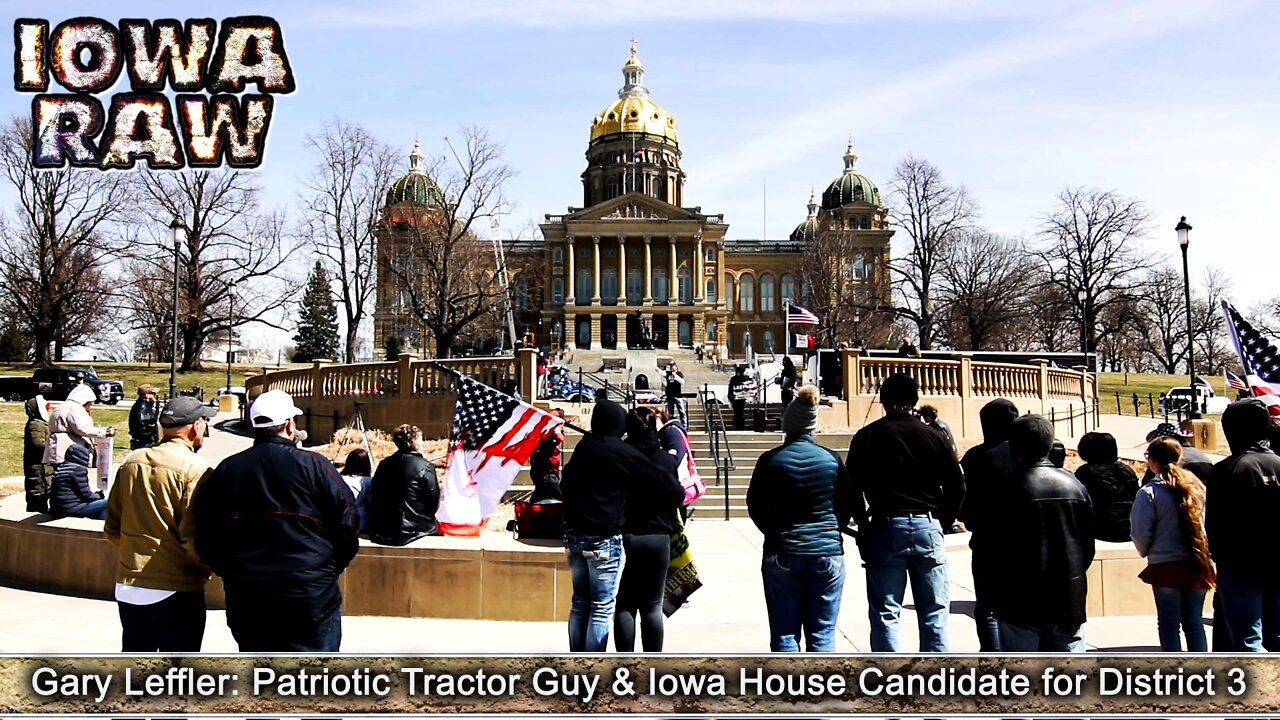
<point x="738" y="396"/>
<point x="912" y="487"/>
<point x="159" y="579"/>
<point x="1241" y="507"/>
<point x="1193" y="459"/>
<point x="1045" y="532"/>
<point x="279" y="525"/>
<point x="593" y="486"/>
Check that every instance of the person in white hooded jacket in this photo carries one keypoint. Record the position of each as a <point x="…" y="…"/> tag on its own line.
<point x="70" y="424"/>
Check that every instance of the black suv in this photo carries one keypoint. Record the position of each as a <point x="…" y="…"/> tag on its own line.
<point x="55" y="382"/>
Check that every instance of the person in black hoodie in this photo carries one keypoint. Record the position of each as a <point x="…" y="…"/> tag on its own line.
<point x="987" y="471"/>
<point x="71" y="496"/>
<point x="1112" y="485"/>
<point x="1241" y="507"/>
<point x="653" y="499"/>
<point x="404" y="494"/>
<point x="594" y="489"/>
<point x="1046" y="537"/>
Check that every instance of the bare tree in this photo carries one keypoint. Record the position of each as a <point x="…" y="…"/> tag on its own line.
<point x="848" y="289"/>
<point x="228" y="242"/>
<point x="342" y="204"/>
<point x="932" y="214"/>
<point x="1090" y="242"/>
<point x="53" y="250"/>
<point x="1214" y="351"/>
<point x="1163" y="330"/>
<point x="436" y="255"/>
<point x="1053" y="327"/>
<point x="983" y="290"/>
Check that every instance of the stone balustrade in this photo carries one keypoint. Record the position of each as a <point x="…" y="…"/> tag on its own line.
<point x="408" y="390"/>
<point x="960" y="387"/>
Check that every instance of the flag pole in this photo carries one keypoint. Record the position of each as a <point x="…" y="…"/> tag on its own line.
<point x="786" y="327"/>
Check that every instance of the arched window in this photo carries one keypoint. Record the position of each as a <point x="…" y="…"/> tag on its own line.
<point x="685" y="289"/>
<point x="557" y="255"/>
<point x="788" y="288"/>
<point x="861" y="268"/>
<point x="660" y="293"/>
<point x="522" y="295"/>
<point x="557" y="291"/>
<point x="746" y="294"/>
<point x="635" y="286"/>
<point x="609" y="285"/>
<point x="711" y="331"/>
<point x="807" y="291"/>
<point x="711" y="290"/>
<point x="611" y="188"/>
<point x="766" y="294"/>
<point x="768" y="340"/>
<point x="685" y="333"/>
<point x="866" y="222"/>
<point x="711" y="255"/>
<point x="586" y="287"/>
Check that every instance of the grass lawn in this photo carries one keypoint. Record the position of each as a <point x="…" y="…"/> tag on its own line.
<point x="13" y="424"/>
<point x="1146" y="386"/>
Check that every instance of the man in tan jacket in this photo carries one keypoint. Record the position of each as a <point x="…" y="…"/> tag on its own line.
<point x="159" y="579"/>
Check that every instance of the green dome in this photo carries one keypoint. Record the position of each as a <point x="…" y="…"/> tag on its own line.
<point x="850" y="187"/>
<point x="415" y="186"/>
<point x="807" y="231"/>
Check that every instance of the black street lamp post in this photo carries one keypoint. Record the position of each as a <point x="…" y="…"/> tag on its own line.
<point x="231" y="319"/>
<point x="1184" y="239"/>
<point x="177" y="227"/>
<point x="1083" y="296"/>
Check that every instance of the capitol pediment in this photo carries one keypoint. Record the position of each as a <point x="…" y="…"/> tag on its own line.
<point x="633" y="207"/>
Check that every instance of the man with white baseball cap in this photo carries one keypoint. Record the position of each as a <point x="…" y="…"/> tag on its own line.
<point x="279" y="525"/>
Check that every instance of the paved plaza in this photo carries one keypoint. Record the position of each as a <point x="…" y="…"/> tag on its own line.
<point x="727" y="615"/>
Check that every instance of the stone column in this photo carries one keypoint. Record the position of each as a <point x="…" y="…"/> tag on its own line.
<point x="595" y="279"/>
<point x="648" y="270"/>
<point x="573" y="274"/>
<point x="622" y="270"/>
<point x="699" y="282"/>
<point x="673" y="284"/>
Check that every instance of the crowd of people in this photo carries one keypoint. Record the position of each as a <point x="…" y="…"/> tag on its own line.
<point x="280" y="524"/>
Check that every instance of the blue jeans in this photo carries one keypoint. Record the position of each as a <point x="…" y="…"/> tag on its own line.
<point x="96" y="509"/>
<point x="595" y="565"/>
<point x="802" y="591"/>
<point x="1253" y="613"/>
<point x="1180" y="609"/>
<point x="897" y="549"/>
<point x="1064" y="637"/>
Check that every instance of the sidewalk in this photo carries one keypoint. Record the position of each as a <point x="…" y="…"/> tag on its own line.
<point x="726" y="616"/>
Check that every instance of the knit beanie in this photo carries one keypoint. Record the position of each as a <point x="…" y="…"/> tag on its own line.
<point x="801" y="415"/>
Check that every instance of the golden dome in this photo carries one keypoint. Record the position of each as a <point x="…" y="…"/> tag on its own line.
<point x="634" y="111"/>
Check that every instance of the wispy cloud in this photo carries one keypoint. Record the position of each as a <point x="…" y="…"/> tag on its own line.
<point x="881" y="106"/>
<point x="586" y="13"/>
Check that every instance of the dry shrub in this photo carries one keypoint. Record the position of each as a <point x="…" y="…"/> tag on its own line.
<point x="380" y="445"/>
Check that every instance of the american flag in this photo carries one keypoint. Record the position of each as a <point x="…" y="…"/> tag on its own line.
<point x="1259" y="357"/>
<point x="797" y="315"/>
<point x="494" y="435"/>
<point x="1234" y="381"/>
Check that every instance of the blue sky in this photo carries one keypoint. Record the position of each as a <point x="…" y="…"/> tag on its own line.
<point x="1172" y="101"/>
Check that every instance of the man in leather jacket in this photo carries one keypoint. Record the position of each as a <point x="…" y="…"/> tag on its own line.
<point x="1240" y="513"/>
<point x="405" y="494"/>
<point x="1046" y="530"/>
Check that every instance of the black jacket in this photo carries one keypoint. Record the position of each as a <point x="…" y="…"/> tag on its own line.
<point x="143" y="431"/>
<point x="597" y="475"/>
<point x="654" y="495"/>
<point x="1243" y="498"/>
<point x="277" y="521"/>
<point x="988" y="468"/>
<point x="71" y="490"/>
<point x="1045" y="535"/>
<point x="404" y="497"/>
<point x="903" y="466"/>
<point x="1112" y="487"/>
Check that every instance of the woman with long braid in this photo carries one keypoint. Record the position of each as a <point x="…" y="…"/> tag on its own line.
<point x="1167" y="526"/>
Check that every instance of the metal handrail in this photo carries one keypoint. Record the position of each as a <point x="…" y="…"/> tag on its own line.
<point x="718" y="437"/>
<point x="627" y="392"/>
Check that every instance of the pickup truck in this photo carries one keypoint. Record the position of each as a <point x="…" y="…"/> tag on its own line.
<point x="55" y="382"/>
<point x="1206" y="401"/>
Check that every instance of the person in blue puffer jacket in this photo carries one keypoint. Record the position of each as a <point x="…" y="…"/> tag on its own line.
<point x="71" y="496"/>
<point x="799" y="498"/>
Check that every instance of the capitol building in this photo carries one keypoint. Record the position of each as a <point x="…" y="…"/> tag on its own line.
<point x="638" y="263"/>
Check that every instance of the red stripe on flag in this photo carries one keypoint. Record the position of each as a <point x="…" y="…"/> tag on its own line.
<point x="459" y="530"/>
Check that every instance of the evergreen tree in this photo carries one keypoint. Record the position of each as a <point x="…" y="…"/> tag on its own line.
<point x="317" y="336"/>
<point x="393" y="346"/>
<point x="15" y="346"/>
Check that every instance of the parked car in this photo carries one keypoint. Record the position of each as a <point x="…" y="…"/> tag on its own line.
<point x="55" y="382"/>
<point x="1180" y="398"/>
<point x="237" y="390"/>
<point x="16" y="388"/>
